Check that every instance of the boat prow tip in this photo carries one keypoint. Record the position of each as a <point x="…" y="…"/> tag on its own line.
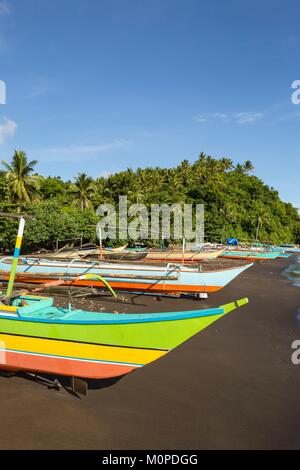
<point x="241" y="302"/>
<point x="235" y="304"/>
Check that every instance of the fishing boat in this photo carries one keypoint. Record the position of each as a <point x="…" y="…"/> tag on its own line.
<point x="107" y="253"/>
<point x="36" y="336"/>
<point x="289" y="248"/>
<point x="170" y="279"/>
<point x="182" y="255"/>
<point x="284" y="250"/>
<point x="156" y="256"/>
<point x="118" y="249"/>
<point x="250" y="255"/>
<point x="285" y="255"/>
<point x="121" y="254"/>
<point x="135" y="254"/>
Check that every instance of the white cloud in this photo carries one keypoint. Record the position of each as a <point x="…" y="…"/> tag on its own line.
<point x="83" y="149"/>
<point x="5" y="7"/>
<point x="237" y="118"/>
<point x="221" y="116"/>
<point x="40" y="91"/>
<point x="200" y="118"/>
<point x="244" y="118"/>
<point x="7" y="129"/>
<point x="41" y="87"/>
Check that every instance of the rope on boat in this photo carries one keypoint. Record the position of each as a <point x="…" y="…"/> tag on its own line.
<point x="83" y="277"/>
<point x="100" y="278"/>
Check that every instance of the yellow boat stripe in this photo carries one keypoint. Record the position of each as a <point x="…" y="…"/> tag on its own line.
<point x="80" y="350"/>
<point x="8" y="308"/>
<point x="18" y="242"/>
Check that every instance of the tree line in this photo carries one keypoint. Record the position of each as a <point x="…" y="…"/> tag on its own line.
<point x="237" y="203"/>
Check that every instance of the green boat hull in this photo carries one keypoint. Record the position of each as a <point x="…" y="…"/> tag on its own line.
<point x="42" y="338"/>
<point x="157" y="334"/>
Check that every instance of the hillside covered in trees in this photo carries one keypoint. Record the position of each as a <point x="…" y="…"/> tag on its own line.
<point x="237" y="203"/>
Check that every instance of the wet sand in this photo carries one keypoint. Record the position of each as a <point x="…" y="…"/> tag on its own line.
<point x="231" y="386"/>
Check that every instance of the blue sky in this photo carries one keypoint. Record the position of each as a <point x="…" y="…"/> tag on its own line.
<point x="100" y="85"/>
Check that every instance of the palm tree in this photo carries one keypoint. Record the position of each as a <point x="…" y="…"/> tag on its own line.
<point x="83" y="190"/>
<point x="157" y="178"/>
<point x="101" y="189"/>
<point x="239" y="168"/>
<point x="227" y="163"/>
<point x="136" y="196"/>
<point x="184" y="171"/>
<point x="23" y="186"/>
<point x="229" y="212"/>
<point x="245" y="168"/>
<point x="248" y="166"/>
<point x="259" y="220"/>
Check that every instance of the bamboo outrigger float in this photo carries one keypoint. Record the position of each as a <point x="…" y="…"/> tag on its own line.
<point x="182" y="255"/>
<point x="141" y="255"/>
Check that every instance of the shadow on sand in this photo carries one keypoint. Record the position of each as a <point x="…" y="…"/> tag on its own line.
<point x="62" y="383"/>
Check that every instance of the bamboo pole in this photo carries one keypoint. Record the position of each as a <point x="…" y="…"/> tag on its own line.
<point x="100" y="243"/>
<point x="74" y="276"/>
<point x="183" y="251"/>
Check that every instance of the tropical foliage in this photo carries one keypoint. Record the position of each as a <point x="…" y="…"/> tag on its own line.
<point x="23" y="186"/>
<point x="236" y="202"/>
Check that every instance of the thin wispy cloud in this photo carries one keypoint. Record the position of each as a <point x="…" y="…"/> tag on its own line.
<point x="286" y="116"/>
<point x="5" y="7"/>
<point x="79" y="150"/>
<point x="40" y="91"/>
<point x="245" y="118"/>
<point x="236" y="118"/>
<point x="209" y="117"/>
<point x="200" y="118"/>
<point x="42" y="87"/>
<point x="7" y="130"/>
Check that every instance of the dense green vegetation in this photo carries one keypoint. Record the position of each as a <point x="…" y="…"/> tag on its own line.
<point x="236" y="203"/>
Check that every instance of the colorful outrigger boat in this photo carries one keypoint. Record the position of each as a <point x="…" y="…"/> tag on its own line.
<point x="137" y="254"/>
<point x="289" y="248"/>
<point x="36" y="336"/>
<point x="171" y="279"/>
<point x="285" y="255"/>
<point x="280" y="250"/>
<point x="161" y="256"/>
<point x="180" y="255"/>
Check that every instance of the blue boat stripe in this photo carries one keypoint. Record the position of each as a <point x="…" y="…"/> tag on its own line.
<point x="119" y="321"/>
<point x="17" y="252"/>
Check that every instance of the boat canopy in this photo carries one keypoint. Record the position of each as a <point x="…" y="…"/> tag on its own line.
<point x="232" y="241"/>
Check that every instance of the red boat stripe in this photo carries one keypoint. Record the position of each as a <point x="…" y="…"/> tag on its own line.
<point x="61" y="366"/>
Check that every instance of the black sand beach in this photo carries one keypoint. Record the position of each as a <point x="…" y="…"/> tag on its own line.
<point x="231" y="386"/>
